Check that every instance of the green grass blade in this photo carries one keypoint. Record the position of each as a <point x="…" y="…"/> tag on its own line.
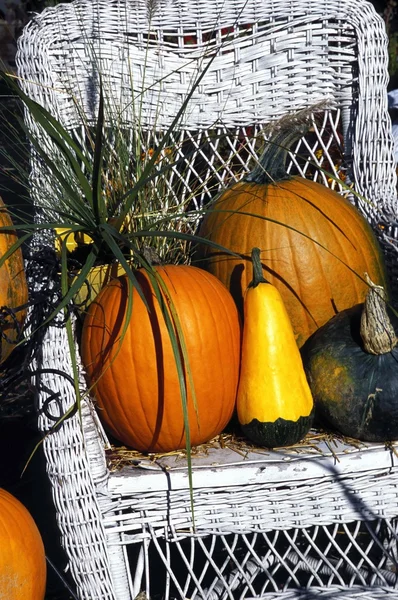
<point x="14" y="247"/>
<point x="147" y="172"/>
<point x="97" y="197"/>
<point x="177" y="341"/>
<point x="73" y="195"/>
<point x="74" y="288"/>
<point x="43" y="117"/>
<point x="118" y="254"/>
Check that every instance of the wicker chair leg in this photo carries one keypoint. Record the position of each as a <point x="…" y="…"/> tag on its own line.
<point x="79" y="488"/>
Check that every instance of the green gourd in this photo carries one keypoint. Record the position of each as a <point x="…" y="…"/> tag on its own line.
<point x="352" y="368"/>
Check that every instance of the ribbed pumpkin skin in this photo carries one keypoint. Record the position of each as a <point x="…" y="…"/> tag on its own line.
<point x="356" y="393"/>
<point x="22" y="556"/>
<point x="13" y="287"/>
<point x="313" y="283"/>
<point x="138" y="394"/>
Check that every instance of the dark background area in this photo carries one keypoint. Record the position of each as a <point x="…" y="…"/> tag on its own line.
<point x="18" y="430"/>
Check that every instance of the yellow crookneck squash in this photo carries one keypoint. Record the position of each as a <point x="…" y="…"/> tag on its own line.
<point x="274" y="402"/>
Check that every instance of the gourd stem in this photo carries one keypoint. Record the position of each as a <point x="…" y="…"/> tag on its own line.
<point x="377" y="332"/>
<point x="271" y="166"/>
<point x="258" y="276"/>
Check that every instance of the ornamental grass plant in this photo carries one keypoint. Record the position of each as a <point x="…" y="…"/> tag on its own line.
<point x="107" y="192"/>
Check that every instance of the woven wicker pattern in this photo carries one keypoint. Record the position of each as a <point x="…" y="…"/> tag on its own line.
<point x="252" y="508"/>
<point x="299" y="525"/>
<point x="265" y="59"/>
<point x="126" y="533"/>
<point x="333" y="594"/>
<point x="68" y="452"/>
<point x="244" y="565"/>
<point x="259" y="565"/>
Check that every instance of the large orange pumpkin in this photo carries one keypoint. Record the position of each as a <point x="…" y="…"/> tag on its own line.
<point x="22" y="557"/>
<point x="136" y="383"/>
<point x="271" y="210"/>
<point x="13" y="287"/>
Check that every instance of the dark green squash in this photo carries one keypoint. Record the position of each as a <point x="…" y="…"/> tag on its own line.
<point x="351" y="364"/>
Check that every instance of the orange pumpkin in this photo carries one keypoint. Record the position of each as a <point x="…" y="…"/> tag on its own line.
<point x="13" y="287"/>
<point x="271" y="210"/>
<point x="135" y="381"/>
<point x="22" y="557"/>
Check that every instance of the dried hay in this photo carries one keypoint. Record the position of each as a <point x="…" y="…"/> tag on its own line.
<point x="317" y="442"/>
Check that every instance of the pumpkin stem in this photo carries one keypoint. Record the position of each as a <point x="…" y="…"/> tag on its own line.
<point x="258" y="276"/>
<point x="271" y="166"/>
<point x="377" y="332"/>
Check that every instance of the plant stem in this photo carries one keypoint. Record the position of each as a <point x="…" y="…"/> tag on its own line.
<point x="258" y="276"/>
<point x="377" y="332"/>
<point x="271" y="166"/>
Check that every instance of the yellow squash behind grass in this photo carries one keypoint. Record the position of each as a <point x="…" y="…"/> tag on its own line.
<point x="13" y="288"/>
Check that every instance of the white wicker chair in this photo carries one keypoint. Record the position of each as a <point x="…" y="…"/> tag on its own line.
<point x="315" y="523"/>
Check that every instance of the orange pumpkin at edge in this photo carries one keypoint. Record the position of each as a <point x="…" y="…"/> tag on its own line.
<point x="314" y="282"/>
<point x="13" y="286"/>
<point x="22" y="558"/>
<point x="136" y="384"/>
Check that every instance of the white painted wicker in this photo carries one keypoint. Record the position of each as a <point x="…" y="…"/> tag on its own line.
<point x="331" y="594"/>
<point x="267" y="524"/>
